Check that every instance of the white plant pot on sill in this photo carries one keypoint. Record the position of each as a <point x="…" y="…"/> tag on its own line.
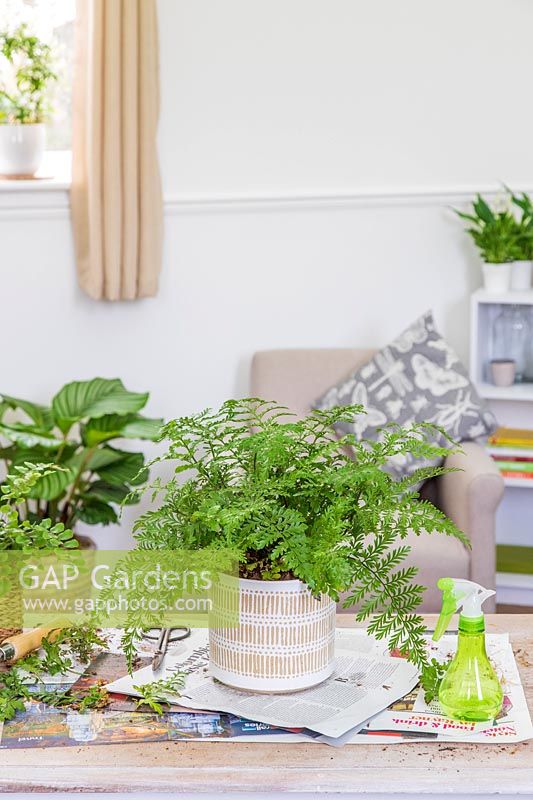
<point x="497" y="277"/>
<point x="21" y="149"/>
<point x="285" y="639"/>
<point x="521" y="276"/>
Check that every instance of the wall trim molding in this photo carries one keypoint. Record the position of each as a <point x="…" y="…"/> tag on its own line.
<point x="50" y="200"/>
<point x="363" y="198"/>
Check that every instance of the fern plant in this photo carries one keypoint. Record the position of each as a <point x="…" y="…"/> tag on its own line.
<point x="293" y="501"/>
<point x="17" y="532"/>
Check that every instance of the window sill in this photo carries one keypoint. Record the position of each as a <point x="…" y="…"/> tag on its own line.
<point x="46" y="195"/>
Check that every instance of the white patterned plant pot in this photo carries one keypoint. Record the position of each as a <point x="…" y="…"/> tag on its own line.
<point x="283" y="639"/>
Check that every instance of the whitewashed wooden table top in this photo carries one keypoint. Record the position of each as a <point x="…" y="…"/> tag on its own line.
<point x="215" y="767"/>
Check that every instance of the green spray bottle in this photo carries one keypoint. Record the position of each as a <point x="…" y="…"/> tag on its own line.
<point x="470" y="689"/>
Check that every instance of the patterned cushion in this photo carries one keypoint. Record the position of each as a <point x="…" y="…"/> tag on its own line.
<point x="416" y="378"/>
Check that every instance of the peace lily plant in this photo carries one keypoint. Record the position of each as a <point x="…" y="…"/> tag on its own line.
<point x="522" y="267"/>
<point x="307" y="515"/>
<point x="503" y="235"/>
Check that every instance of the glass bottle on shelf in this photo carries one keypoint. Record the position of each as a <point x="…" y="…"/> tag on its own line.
<point x="511" y="334"/>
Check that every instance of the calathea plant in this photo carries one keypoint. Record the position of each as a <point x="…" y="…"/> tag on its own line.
<point x="293" y="501"/>
<point x="75" y="432"/>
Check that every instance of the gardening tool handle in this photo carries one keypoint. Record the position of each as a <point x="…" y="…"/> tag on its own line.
<point x="18" y="646"/>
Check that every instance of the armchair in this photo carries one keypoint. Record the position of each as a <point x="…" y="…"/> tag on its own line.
<point x="470" y="498"/>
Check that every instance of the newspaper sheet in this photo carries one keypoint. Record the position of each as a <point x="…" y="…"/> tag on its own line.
<point x="408" y="719"/>
<point x="360" y="687"/>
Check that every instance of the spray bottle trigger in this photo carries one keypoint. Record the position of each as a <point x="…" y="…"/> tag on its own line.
<point x="442" y="625"/>
<point x="485" y="594"/>
<point x="449" y="606"/>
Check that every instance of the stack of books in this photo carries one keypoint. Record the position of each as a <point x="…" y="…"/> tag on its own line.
<point x="512" y="450"/>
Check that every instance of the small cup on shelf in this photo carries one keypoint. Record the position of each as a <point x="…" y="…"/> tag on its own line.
<point x="503" y="371"/>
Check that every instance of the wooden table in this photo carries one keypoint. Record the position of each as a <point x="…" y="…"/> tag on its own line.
<point x="271" y="770"/>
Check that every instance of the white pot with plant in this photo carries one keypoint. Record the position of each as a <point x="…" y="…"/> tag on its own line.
<point x="305" y="522"/>
<point x="521" y="276"/>
<point x="496" y="235"/>
<point x="26" y="75"/>
<point x="497" y="276"/>
<point x="522" y="266"/>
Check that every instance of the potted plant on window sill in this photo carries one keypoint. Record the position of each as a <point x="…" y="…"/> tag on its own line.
<point x="496" y="234"/>
<point x="76" y="433"/>
<point x="307" y="519"/>
<point x="23" y="102"/>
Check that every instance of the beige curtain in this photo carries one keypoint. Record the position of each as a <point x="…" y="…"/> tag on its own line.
<point x="117" y="209"/>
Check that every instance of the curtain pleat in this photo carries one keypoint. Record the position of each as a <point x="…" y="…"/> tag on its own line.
<point x="117" y="208"/>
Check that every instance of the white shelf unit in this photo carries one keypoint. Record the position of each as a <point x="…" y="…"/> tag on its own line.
<point x="519" y="483"/>
<point x="485" y="307"/>
<point x="514" y="589"/>
<point x="518" y="391"/>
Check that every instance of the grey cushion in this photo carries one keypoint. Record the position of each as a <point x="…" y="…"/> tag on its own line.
<point x="417" y="378"/>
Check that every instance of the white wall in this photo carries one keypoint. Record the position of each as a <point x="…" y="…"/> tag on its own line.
<point x="288" y="95"/>
<point x="378" y="111"/>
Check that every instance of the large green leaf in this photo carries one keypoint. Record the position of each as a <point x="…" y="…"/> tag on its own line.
<point x="97" y="513"/>
<point x="52" y="486"/>
<point x="483" y="210"/>
<point x="22" y="455"/>
<point x="9" y="453"/>
<point x="140" y="478"/>
<point x="28" y="436"/>
<point x="41" y="415"/>
<point x="48" y="487"/>
<point x="101" y="490"/>
<point x="103" y="457"/>
<point x="113" y="426"/>
<point x="124" y="470"/>
<point x="142" y="428"/>
<point x="95" y="398"/>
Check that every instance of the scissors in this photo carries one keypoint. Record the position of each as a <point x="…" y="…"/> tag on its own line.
<point x="163" y="639"/>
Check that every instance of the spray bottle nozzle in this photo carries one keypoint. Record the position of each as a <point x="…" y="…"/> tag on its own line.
<point x="458" y="594"/>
